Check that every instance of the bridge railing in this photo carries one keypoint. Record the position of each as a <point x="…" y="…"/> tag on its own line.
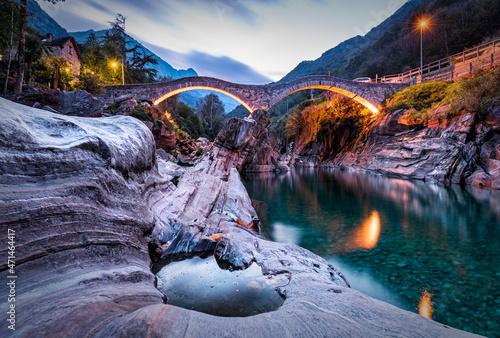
<point x="450" y="68"/>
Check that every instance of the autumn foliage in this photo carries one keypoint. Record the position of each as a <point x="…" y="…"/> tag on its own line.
<point x="333" y="123"/>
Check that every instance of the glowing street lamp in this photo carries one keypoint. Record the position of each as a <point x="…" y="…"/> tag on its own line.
<point x="423" y="23"/>
<point x="114" y="64"/>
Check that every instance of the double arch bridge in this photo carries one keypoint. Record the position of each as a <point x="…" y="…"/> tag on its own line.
<point x="255" y="97"/>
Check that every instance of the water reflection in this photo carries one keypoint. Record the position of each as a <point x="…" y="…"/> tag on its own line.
<point x="409" y="235"/>
<point x="425" y="307"/>
<point x="366" y="235"/>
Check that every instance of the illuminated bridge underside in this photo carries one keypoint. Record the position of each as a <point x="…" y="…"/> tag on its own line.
<point x="253" y="97"/>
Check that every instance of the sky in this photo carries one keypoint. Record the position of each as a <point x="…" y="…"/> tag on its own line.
<point x="243" y="41"/>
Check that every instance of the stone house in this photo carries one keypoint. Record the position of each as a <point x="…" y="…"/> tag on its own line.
<point x="66" y="47"/>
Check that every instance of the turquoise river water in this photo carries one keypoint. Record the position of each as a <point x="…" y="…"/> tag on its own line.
<point x="422" y="247"/>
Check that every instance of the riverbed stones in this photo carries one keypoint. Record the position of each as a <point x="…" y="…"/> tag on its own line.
<point x="84" y="195"/>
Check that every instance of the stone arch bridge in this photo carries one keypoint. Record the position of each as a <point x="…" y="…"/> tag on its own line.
<point x="255" y="97"/>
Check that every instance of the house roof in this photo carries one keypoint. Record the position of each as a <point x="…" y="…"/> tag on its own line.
<point x="61" y="40"/>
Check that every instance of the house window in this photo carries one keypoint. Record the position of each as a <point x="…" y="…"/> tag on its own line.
<point x="70" y="50"/>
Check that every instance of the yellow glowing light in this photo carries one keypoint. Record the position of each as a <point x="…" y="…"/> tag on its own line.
<point x="366" y="236"/>
<point x="67" y="69"/>
<point x="423" y="23"/>
<point x="425" y="307"/>
<point x="369" y="231"/>
<point x="185" y="89"/>
<point x="347" y="93"/>
<point x="114" y="64"/>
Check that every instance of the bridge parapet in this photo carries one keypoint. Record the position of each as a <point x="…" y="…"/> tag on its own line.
<point x="255" y="97"/>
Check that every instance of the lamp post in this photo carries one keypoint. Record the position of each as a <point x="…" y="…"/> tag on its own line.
<point x="423" y="24"/>
<point x="114" y="65"/>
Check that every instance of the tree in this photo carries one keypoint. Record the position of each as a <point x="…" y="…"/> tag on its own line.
<point x="13" y="7"/>
<point x="189" y="121"/>
<point x="211" y="112"/>
<point x="21" y="51"/>
<point x="133" y="58"/>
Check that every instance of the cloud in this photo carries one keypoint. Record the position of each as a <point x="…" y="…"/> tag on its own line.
<point x="225" y="68"/>
<point x="99" y="7"/>
<point x="222" y="67"/>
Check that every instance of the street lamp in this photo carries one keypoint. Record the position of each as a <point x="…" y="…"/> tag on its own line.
<point x="424" y="23"/>
<point x="114" y="64"/>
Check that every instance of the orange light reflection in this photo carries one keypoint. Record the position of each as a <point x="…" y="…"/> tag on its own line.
<point x="425" y="307"/>
<point x="366" y="236"/>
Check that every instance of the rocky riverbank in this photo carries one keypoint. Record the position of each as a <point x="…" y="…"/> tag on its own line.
<point x="465" y="150"/>
<point x="85" y="196"/>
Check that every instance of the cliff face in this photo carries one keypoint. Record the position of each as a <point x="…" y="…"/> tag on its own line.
<point x="84" y="197"/>
<point x="464" y="151"/>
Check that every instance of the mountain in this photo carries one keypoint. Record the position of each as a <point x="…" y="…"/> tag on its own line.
<point x="340" y="55"/>
<point x="394" y="45"/>
<point x="43" y="23"/>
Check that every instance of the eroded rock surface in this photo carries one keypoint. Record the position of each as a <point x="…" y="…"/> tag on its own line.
<point x="464" y="151"/>
<point x="84" y="196"/>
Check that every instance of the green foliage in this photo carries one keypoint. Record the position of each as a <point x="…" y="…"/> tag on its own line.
<point x="104" y="57"/>
<point x="419" y="97"/>
<point x="199" y="152"/>
<point x="140" y="114"/>
<point x="477" y="93"/>
<point x="111" y="108"/>
<point x="239" y="112"/>
<point x="91" y="82"/>
<point x="55" y="70"/>
<point x="188" y="121"/>
<point x="211" y="112"/>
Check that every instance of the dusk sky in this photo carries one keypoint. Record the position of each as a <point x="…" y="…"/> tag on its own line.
<point x="247" y="41"/>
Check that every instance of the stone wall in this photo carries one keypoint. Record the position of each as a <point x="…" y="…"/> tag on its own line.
<point x="257" y="97"/>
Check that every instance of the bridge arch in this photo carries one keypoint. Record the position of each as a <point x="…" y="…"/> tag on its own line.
<point x="185" y="89"/>
<point x="344" y="92"/>
<point x="253" y="97"/>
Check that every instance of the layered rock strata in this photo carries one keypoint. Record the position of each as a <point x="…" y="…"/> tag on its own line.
<point x="464" y="151"/>
<point x="84" y="195"/>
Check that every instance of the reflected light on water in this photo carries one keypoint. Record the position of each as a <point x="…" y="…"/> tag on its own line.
<point x="425" y="307"/>
<point x="366" y="236"/>
<point x="369" y="231"/>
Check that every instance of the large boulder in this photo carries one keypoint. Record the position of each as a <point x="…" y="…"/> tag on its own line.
<point x="82" y="197"/>
<point x="81" y="103"/>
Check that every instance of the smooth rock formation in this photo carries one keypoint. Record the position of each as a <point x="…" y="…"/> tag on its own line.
<point x="84" y="196"/>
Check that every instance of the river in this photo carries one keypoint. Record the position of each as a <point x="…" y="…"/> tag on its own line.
<point x="420" y="246"/>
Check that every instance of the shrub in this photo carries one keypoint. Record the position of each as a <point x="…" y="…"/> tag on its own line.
<point x="419" y="97"/>
<point x="477" y="93"/>
<point x="92" y="83"/>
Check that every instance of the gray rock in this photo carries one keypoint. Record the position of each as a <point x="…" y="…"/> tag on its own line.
<point x="37" y="105"/>
<point x="83" y="194"/>
<point x="436" y="153"/>
<point x="80" y="103"/>
<point x="126" y="107"/>
<point x="122" y="98"/>
<point x="50" y="109"/>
